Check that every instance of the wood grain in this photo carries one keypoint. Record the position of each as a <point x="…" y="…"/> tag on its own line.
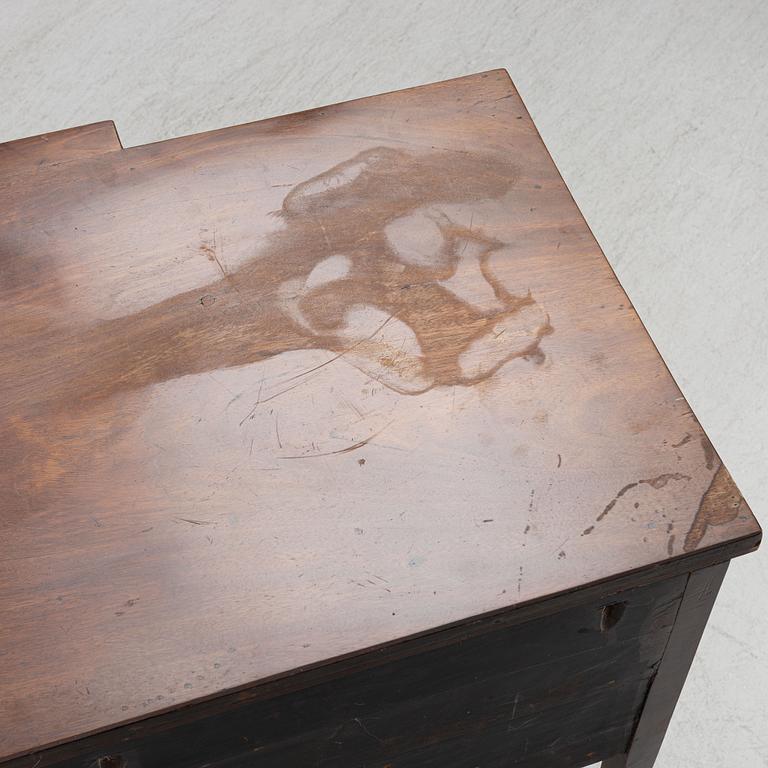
<point x="280" y="393"/>
<point x="559" y="690"/>
<point x="697" y="602"/>
<point x="29" y="155"/>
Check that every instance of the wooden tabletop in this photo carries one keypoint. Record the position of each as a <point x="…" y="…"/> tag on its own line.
<point x="282" y="392"/>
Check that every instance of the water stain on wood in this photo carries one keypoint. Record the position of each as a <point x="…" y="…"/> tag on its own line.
<point x="330" y="278"/>
<point x="352" y="238"/>
<point x="719" y="505"/>
<point x="660" y="481"/>
<point x="425" y="247"/>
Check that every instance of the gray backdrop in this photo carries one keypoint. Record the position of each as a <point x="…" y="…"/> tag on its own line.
<point x="656" y="114"/>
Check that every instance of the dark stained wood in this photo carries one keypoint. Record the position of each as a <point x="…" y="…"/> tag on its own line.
<point x="545" y="690"/>
<point x="698" y="600"/>
<point x="284" y="396"/>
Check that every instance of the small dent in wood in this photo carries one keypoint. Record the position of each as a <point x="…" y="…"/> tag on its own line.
<point x="611" y="615"/>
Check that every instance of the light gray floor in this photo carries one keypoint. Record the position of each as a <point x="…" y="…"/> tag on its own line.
<point x="656" y="114"/>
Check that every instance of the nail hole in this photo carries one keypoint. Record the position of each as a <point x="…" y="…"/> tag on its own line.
<point x="112" y="761"/>
<point x="611" y="615"/>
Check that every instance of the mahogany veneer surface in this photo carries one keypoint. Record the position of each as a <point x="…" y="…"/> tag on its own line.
<point x="279" y="393"/>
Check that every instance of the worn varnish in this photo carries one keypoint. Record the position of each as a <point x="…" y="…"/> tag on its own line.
<point x="280" y="393"/>
<point x="559" y="687"/>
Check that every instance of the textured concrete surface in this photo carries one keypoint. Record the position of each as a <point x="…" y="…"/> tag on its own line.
<point x="656" y="114"/>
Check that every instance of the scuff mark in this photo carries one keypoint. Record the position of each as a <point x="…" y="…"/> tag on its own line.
<point x="671" y="545"/>
<point x="365" y="730"/>
<point x="709" y="452"/>
<point x="686" y="439"/>
<point x="332" y="737"/>
<point x="234" y="399"/>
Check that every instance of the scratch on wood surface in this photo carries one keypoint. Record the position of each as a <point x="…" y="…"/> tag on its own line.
<point x="212" y="252"/>
<point x="255" y="405"/>
<point x="348" y="449"/>
<point x="340" y="354"/>
<point x="686" y="439"/>
<point x="365" y="730"/>
<point x="278" y="394"/>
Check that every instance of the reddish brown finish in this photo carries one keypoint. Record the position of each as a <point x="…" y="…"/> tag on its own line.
<point x="286" y="391"/>
<point x="30" y="155"/>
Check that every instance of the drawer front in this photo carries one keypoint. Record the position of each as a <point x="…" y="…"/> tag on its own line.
<point x="562" y="690"/>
